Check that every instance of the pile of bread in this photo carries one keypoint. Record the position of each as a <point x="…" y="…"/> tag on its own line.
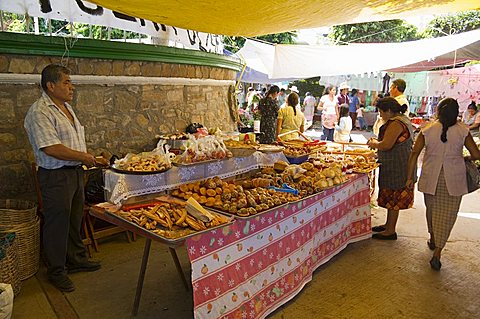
<point x="145" y="162"/>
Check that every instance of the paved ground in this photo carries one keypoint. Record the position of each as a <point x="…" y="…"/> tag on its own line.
<point x="369" y="279"/>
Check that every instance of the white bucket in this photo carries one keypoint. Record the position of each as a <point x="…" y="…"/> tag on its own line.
<point x="256" y="126"/>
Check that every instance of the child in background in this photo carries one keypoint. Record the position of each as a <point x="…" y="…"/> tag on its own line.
<point x="361" y="120"/>
<point x="344" y="125"/>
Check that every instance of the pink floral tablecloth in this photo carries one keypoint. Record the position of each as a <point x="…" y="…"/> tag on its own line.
<point x="251" y="267"/>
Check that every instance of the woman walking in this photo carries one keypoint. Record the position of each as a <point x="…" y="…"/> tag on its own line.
<point x="394" y="145"/>
<point x="443" y="178"/>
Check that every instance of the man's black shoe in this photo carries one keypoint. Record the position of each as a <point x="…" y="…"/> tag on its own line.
<point x="83" y="267"/>
<point x="62" y="283"/>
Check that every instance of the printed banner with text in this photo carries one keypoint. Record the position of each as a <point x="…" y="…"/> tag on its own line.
<point x="86" y="12"/>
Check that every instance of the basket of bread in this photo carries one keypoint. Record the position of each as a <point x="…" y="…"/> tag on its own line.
<point x="241" y="148"/>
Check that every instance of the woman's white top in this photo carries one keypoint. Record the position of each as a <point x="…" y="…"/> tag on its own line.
<point x="329" y="106"/>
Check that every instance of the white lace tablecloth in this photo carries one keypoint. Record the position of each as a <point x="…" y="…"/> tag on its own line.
<point x="120" y="187"/>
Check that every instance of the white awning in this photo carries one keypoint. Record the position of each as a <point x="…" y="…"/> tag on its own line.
<point x="305" y="61"/>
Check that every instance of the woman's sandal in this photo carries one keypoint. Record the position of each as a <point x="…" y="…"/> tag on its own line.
<point x="435" y="263"/>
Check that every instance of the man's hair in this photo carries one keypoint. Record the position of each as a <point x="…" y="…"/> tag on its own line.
<point x="400" y="84"/>
<point x="282" y="90"/>
<point x="53" y="73"/>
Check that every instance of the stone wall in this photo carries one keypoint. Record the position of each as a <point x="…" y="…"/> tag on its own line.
<point x="119" y="118"/>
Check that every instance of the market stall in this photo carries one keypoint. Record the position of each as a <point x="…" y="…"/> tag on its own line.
<point x="256" y="220"/>
<point x="256" y="264"/>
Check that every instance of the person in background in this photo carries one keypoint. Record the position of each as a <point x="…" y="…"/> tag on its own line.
<point x="344" y="125"/>
<point x="394" y="145"/>
<point x="249" y="98"/>
<point x="262" y="93"/>
<point x="354" y="105"/>
<point x="290" y="118"/>
<point x="309" y="109"/>
<point x="342" y="97"/>
<point x="379" y="96"/>
<point x="58" y="142"/>
<point x="329" y="106"/>
<point x="471" y="118"/>
<point x="396" y="90"/>
<point x="443" y="176"/>
<point x="282" y="96"/>
<point x="268" y="108"/>
<point x="361" y="119"/>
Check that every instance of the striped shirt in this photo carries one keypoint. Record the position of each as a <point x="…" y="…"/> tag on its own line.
<point x="47" y="125"/>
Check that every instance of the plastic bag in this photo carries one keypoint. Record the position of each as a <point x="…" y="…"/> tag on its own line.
<point x="6" y="301"/>
<point x="156" y="160"/>
<point x="203" y="149"/>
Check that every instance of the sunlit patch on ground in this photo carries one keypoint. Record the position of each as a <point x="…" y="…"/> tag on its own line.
<point x="469" y="215"/>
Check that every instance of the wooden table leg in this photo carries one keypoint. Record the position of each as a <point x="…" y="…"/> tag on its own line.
<point x="141" y="276"/>
<point x="173" y="252"/>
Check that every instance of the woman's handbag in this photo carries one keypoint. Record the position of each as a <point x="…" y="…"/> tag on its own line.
<point x="473" y="176"/>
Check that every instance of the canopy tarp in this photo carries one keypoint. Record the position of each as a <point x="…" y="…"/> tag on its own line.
<point x="305" y="61"/>
<point x="250" y="75"/>
<point x="251" y="17"/>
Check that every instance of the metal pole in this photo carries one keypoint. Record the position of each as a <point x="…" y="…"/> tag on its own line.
<point x="36" y="27"/>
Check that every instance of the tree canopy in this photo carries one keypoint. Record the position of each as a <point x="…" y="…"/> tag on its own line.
<point x="233" y="44"/>
<point x="453" y="23"/>
<point x="374" y="32"/>
<point x="20" y="23"/>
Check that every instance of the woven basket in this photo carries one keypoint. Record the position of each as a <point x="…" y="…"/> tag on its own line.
<point x="14" y="212"/>
<point x="9" y="262"/>
<point x="242" y="152"/>
<point x="28" y="241"/>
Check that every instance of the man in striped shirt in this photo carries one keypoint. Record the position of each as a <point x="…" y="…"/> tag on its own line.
<point x="58" y="142"/>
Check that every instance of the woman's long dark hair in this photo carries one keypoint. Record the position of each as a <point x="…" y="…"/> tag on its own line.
<point x="292" y="100"/>
<point x="272" y="90"/>
<point x="447" y="115"/>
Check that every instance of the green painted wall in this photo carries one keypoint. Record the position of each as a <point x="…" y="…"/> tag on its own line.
<point x="27" y="44"/>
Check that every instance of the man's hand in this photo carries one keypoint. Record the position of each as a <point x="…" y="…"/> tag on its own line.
<point x="88" y="159"/>
<point x="101" y="161"/>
